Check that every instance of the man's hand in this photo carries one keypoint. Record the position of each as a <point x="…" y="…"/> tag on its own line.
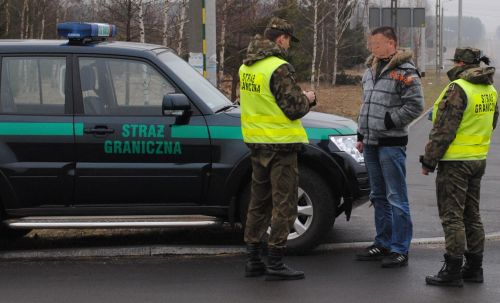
<point x="359" y="146"/>
<point x="311" y="96"/>
<point x="425" y="169"/>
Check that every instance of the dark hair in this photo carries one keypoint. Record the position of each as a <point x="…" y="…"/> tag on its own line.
<point x="385" y="31"/>
<point x="272" y="33"/>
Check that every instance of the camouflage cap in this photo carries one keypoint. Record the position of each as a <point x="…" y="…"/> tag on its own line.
<point x="282" y="25"/>
<point x="468" y="55"/>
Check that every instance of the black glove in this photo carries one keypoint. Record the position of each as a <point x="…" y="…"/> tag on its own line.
<point x="388" y="121"/>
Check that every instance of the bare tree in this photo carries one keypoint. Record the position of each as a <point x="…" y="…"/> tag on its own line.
<point x="7" y="17"/>
<point x="23" y="18"/>
<point x="165" y="22"/>
<point x="315" y="41"/>
<point x="42" y="7"/>
<point x="342" y="19"/>
<point x="122" y="12"/>
<point x="222" y="43"/>
<point x="140" y="16"/>
<point x="321" y="10"/>
<point x="323" y="43"/>
<point x="182" y="22"/>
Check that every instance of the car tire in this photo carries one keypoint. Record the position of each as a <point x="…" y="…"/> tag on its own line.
<point x="316" y="211"/>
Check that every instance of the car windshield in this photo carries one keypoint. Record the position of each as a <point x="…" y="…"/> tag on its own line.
<point x="202" y="87"/>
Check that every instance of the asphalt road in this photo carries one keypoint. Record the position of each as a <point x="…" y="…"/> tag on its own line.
<point x="330" y="277"/>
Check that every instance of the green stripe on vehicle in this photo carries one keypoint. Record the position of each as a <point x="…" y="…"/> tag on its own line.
<point x="234" y="132"/>
<point x="40" y="129"/>
<point x="324" y="133"/>
<point x="189" y="132"/>
<point x="78" y="129"/>
<point x="226" y="132"/>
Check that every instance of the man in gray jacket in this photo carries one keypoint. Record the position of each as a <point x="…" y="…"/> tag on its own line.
<point x="392" y="98"/>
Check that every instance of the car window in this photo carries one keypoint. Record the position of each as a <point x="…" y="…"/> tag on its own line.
<point x="122" y="87"/>
<point x="33" y="85"/>
<point x="210" y="95"/>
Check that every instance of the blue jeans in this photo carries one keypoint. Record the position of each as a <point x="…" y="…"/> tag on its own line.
<point x="387" y="175"/>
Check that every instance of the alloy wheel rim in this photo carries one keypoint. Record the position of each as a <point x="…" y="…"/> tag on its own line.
<point x="305" y="215"/>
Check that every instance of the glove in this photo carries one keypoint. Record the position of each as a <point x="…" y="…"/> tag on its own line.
<point x="388" y="121"/>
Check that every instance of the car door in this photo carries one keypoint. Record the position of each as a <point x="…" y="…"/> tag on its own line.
<point x="129" y="152"/>
<point x="37" y="159"/>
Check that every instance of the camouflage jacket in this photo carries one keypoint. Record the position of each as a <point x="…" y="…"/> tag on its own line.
<point x="451" y="110"/>
<point x="289" y="96"/>
<point x="392" y="98"/>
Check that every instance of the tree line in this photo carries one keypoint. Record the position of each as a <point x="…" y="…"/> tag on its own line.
<point x="330" y="41"/>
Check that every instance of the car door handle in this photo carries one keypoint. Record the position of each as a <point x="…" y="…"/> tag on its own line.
<point x="99" y="130"/>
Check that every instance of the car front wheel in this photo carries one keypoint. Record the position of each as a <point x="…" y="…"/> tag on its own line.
<point x="316" y="209"/>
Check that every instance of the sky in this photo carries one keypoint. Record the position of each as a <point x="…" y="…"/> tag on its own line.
<point x="487" y="10"/>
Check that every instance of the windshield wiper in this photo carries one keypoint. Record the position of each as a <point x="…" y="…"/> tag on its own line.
<point x="226" y="107"/>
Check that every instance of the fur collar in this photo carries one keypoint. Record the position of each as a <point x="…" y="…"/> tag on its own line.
<point x="401" y="56"/>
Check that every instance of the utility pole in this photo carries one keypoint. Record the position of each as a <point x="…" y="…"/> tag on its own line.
<point x="202" y="55"/>
<point x="394" y="15"/>
<point x="439" y="38"/>
<point x="459" y="41"/>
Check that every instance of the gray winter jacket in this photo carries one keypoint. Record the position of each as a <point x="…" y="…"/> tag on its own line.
<point x="390" y="101"/>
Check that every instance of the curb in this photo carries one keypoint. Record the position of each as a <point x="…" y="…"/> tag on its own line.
<point x="165" y="250"/>
<point x="414" y="243"/>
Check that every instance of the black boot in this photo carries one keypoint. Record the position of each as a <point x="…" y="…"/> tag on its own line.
<point x="254" y="266"/>
<point x="450" y="274"/>
<point x="277" y="270"/>
<point x="472" y="271"/>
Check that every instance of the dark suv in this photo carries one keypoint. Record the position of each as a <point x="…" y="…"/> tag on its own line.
<point x="97" y="134"/>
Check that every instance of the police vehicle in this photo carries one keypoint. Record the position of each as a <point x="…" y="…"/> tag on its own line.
<point x="97" y="133"/>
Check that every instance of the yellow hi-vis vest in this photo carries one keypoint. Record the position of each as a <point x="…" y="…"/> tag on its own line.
<point x="474" y="133"/>
<point x="262" y="121"/>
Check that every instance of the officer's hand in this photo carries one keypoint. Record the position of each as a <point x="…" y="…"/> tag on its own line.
<point x="425" y="171"/>
<point x="359" y="146"/>
<point x="311" y="96"/>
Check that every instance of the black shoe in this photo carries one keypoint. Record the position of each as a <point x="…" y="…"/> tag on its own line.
<point x="372" y="253"/>
<point x="449" y="275"/>
<point x="254" y="266"/>
<point x="255" y="269"/>
<point x="395" y="260"/>
<point x="283" y="272"/>
<point x="277" y="270"/>
<point x="472" y="270"/>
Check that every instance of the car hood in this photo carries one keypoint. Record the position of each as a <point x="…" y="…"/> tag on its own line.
<point x="316" y="120"/>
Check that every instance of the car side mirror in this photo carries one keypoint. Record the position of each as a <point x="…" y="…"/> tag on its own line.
<point x="176" y="105"/>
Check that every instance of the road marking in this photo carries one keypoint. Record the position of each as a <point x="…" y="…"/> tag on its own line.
<point x="415" y="242"/>
<point x="426" y="112"/>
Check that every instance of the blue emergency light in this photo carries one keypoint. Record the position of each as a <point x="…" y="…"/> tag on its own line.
<point x="83" y="32"/>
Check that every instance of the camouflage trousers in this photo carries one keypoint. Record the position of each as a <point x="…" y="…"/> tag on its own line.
<point x="274" y="196"/>
<point x="458" y="184"/>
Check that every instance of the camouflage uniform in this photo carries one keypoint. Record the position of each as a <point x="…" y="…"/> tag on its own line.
<point x="458" y="183"/>
<point x="274" y="186"/>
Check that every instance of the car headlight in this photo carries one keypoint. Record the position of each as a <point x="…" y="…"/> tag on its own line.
<point x="348" y="144"/>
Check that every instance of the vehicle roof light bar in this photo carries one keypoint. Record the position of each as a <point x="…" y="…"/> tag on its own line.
<point x="83" y="32"/>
